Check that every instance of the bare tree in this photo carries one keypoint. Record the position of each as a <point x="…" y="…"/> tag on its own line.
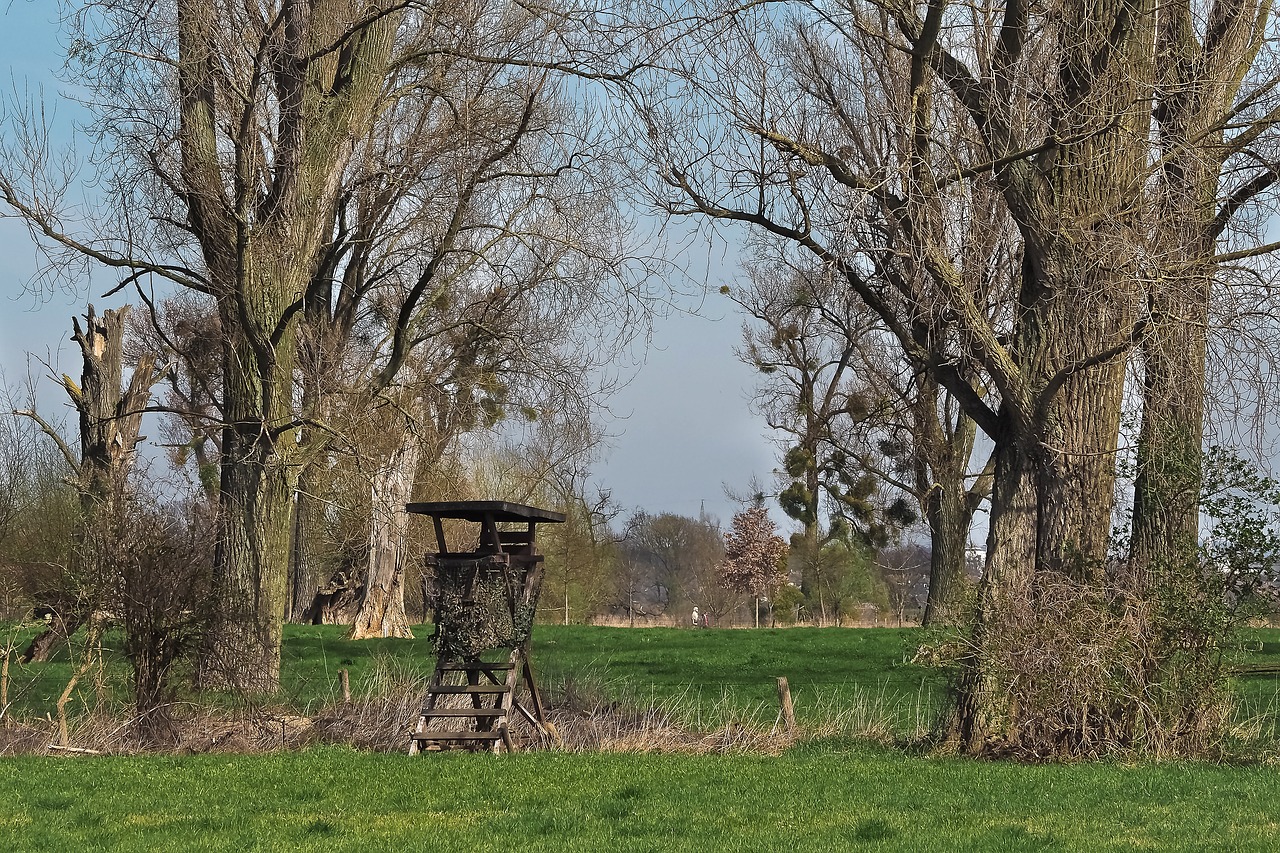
<point x="110" y="414"/>
<point x="320" y="170"/>
<point x="670" y="563"/>
<point x="835" y="129"/>
<point x="863" y="428"/>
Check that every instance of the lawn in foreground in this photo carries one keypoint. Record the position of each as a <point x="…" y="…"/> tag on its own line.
<point x="813" y="798"/>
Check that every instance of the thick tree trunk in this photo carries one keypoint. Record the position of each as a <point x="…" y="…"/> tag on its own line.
<point x="304" y="573"/>
<point x="261" y="245"/>
<point x="1050" y="523"/>
<point x="1167" y="489"/>
<point x="1166" y="499"/>
<point x="948" y="517"/>
<point x="382" y="610"/>
<point x="983" y="714"/>
<point x="251" y="567"/>
<point x="1053" y="492"/>
<point x="256" y="490"/>
<point x="1124" y="669"/>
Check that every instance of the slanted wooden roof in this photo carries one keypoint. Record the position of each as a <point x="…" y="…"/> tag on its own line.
<point x="499" y="511"/>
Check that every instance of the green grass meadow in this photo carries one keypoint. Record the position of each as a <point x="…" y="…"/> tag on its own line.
<point x="833" y="794"/>
<point x="811" y="798"/>
<point x="704" y="669"/>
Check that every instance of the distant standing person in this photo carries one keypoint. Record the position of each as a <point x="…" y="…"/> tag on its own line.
<point x="697" y="619"/>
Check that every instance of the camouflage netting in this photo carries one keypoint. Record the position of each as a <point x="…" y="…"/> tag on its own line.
<point x="469" y="626"/>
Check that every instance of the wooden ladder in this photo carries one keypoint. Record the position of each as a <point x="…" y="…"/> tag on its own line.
<point x="486" y="724"/>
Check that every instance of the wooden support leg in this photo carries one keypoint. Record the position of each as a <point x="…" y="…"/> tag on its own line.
<point x="535" y="697"/>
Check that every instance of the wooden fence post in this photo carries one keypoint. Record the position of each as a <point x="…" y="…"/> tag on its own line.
<point x="788" y="711"/>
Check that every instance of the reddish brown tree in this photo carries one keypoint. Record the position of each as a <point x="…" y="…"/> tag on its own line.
<point x="755" y="556"/>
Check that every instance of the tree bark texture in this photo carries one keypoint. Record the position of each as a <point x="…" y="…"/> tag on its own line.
<point x="1057" y="433"/>
<point x="382" y="610"/>
<point x="948" y="516"/>
<point x="304" y="573"/>
<point x="1198" y="82"/>
<point x="261" y="227"/>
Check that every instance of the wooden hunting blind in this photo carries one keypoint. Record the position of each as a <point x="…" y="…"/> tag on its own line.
<point x="484" y="605"/>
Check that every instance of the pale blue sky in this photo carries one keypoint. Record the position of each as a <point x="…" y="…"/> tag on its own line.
<point x="684" y="428"/>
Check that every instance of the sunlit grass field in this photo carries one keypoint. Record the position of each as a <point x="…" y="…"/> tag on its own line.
<point x="812" y="798"/>
<point x="703" y="668"/>
<point x="832" y="794"/>
<point x="696" y="669"/>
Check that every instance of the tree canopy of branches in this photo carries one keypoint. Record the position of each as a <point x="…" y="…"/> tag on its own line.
<point x="1119" y="152"/>
<point x="366" y="195"/>
<point x="815" y="355"/>
<point x="669" y="563"/>
<point x="862" y="428"/>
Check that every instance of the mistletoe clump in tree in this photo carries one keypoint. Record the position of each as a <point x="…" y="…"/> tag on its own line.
<point x="755" y="556"/>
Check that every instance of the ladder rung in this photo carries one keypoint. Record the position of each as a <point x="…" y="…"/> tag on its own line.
<point x="463" y="712"/>
<point x="476" y="666"/>
<point x="493" y="735"/>
<point x="468" y="688"/>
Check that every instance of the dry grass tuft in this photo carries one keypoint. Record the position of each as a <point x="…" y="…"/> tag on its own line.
<point x="381" y="717"/>
<point x="585" y="716"/>
<point x="611" y="728"/>
<point x="195" y="730"/>
<point x="869" y="717"/>
<point x="1076" y="669"/>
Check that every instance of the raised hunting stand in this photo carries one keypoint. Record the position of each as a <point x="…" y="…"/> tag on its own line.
<point x="485" y="601"/>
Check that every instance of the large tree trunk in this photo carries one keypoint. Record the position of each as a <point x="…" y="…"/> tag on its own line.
<point x="1050" y="522"/>
<point x="1116" y="679"/>
<point x="1197" y="84"/>
<point x="382" y="610"/>
<point x="983" y="715"/>
<point x="1054" y="484"/>
<point x="1049" y="528"/>
<point x="948" y="517"/>
<point x="304" y="573"/>
<point x="1166" y="500"/>
<point x="251" y="568"/>
<point x="256" y="492"/>
<point x="261" y="245"/>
